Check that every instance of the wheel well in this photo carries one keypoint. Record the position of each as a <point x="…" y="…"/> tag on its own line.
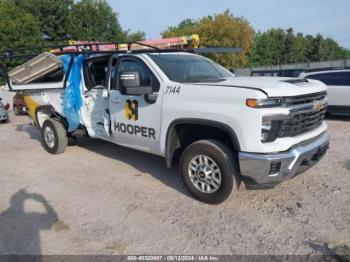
<point x="46" y="112"/>
<point x="181" y="135"/>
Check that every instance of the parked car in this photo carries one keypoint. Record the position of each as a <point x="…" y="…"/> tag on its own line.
<point x="19" y="106"/>
<point x="3" y="112"/>
<point x="338" y="82"/>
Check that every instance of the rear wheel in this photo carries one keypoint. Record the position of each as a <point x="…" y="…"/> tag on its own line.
<point x="54" y="136"/>
<point x="209" y="171"/>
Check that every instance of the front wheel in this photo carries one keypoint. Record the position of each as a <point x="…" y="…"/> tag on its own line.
<point x="209" y="171"/>
<point x="54" y="136"/>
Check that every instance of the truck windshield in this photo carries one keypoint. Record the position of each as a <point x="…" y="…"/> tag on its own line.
<point x="185" y="68"/>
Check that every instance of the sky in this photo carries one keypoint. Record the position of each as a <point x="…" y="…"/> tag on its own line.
<point x="331" y="18"/>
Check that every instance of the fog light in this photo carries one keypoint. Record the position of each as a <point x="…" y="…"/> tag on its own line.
<point x="275" y="168"/>
<point x="270" y="130"/>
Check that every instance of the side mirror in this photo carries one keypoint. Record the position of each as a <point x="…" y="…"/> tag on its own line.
<point x="130" y="84"/>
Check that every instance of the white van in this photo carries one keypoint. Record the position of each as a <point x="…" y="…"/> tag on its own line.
<point x="338" y="82"/>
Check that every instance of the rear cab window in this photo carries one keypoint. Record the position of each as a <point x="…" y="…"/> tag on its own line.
<point x="95" y="70"/>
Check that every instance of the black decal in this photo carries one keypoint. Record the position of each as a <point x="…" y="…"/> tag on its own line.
<point x="116" y="126"/>
<point x="137" y="130"/>
<point x="130" y="129"/>
<point x="123" y="128"/>
<point x="131" y="110"/>
<point x="144" y="131"/>
<point x="173" y="90"/>
<point x="152" y="133"/>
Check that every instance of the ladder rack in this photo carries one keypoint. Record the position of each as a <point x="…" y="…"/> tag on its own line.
<point x="190" y="44"/>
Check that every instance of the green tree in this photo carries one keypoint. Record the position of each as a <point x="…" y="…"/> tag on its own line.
<point x="331" y="50"/>
<point x="53" y="16"/>
<point x="279" y="46"/>
<point x="316" y="47"/>
<point x="17" y="28"/>
<point x="184" y="28"/>
<point x="95" y="20"/>
<point x="299" y="52"/>
<point x="136" y="36"/>
<point x="326" y="49"/>
<point x="269" y="48"/>
<point x="290" y="41"/>
<point x="221" y="30"/>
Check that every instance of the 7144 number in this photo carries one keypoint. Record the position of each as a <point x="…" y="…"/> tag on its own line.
<point x="173" y="90"/>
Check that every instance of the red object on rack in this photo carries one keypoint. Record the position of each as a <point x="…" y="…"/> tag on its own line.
<point x="175" y="42"/>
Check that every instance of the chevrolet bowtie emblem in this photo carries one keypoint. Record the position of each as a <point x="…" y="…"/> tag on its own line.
<point x="318" y="107"/>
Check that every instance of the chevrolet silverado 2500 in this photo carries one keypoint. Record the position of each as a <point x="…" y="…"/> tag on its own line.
<point x="220" y="129"/>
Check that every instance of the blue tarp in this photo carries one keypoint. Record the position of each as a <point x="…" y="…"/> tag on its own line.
<point x="72" y="100"/>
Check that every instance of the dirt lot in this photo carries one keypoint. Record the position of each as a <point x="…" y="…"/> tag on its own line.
<point x="99" y="198"/>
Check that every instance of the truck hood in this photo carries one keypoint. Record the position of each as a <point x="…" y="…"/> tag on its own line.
<point x="277" y="86"/>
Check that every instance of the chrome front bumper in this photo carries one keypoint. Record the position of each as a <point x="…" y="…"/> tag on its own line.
<point x="260" y="169"/>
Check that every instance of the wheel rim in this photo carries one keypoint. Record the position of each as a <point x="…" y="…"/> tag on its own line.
<point x="49" y="137"/>
<point x="205" y="174"/>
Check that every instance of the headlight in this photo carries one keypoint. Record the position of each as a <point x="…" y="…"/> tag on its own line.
<point x="264" y="103"/>
<point x="270" y="130"/>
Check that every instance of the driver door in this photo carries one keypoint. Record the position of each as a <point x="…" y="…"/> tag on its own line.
<point x="135" y="119"/>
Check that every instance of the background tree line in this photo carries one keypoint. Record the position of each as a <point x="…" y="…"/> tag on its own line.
<point x="276" y="46"/>
<point x="34" y="22"/>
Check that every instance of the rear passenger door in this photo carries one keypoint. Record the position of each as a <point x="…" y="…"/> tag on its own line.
<point x="95" y="96"/>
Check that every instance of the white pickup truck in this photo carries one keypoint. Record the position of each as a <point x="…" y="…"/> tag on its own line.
<point x="220" y="129"/>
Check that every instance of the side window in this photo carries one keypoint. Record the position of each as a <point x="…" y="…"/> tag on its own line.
<point x="146" y="76"/>
<point x="333" y="79"/>
<point x="337" y="79"/>
<point x="95" y="73"/>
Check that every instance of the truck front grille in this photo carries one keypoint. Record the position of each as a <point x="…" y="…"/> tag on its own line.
<point x="305" y="99"/>
<point x="305" y="116"/>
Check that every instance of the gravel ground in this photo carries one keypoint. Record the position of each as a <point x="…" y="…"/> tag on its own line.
<point x="98" y="198"/>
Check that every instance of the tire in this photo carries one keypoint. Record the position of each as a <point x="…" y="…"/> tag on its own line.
<point x="54" y="136"/>
<point x="218" y="157"/>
